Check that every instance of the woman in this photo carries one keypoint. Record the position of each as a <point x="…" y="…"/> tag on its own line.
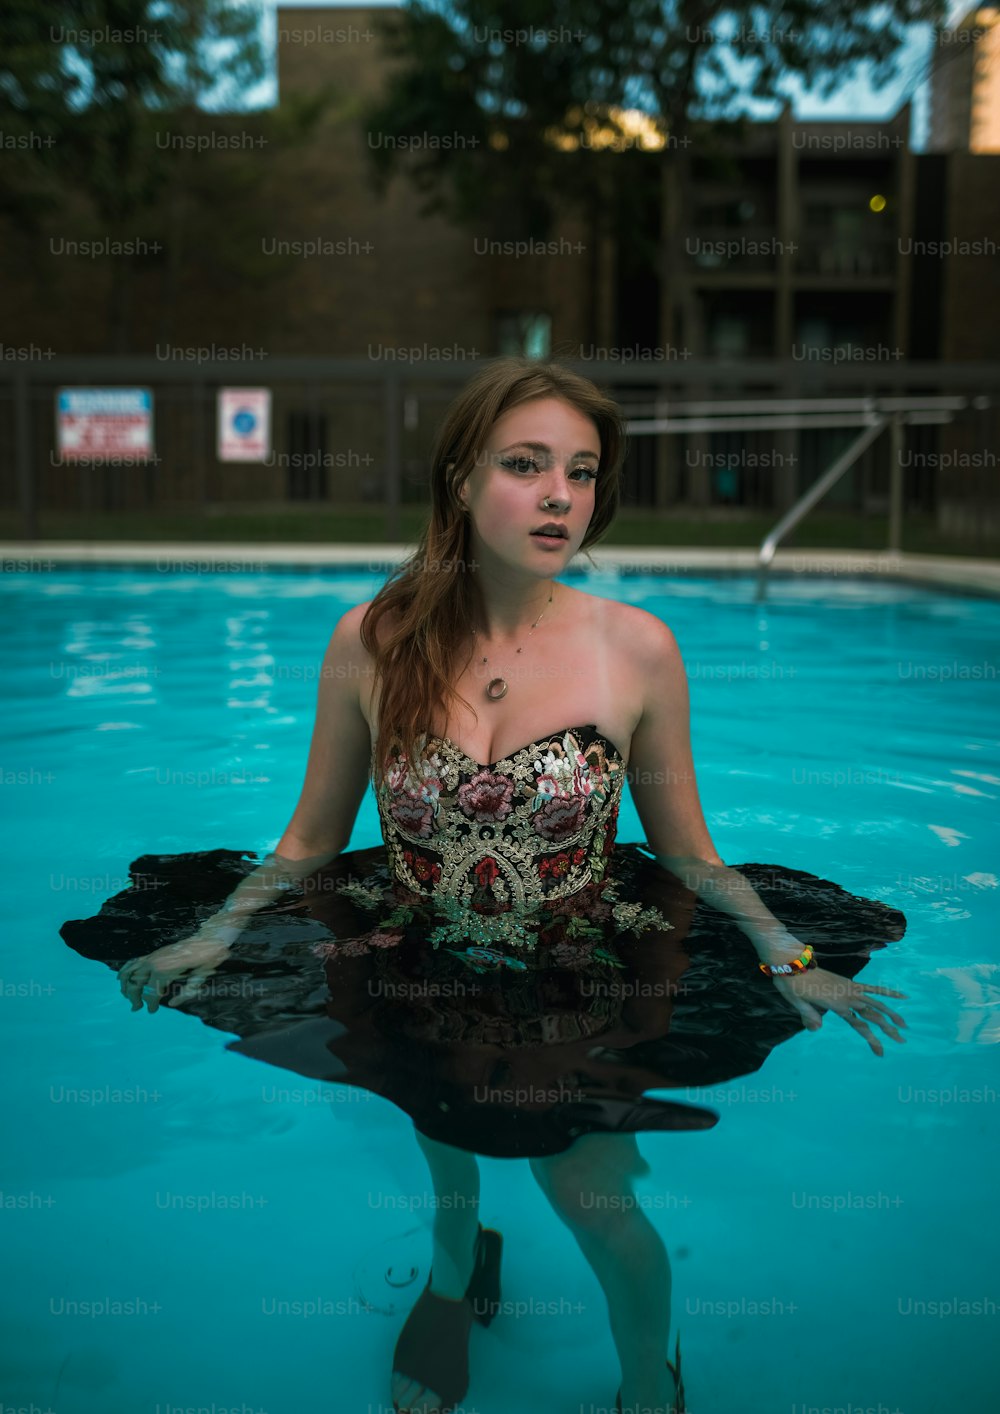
<point x="503" y="882"/>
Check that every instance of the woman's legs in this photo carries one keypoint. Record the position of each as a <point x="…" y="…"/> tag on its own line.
<point x="590" y="1188"/>
<point x="455" y="1174"/>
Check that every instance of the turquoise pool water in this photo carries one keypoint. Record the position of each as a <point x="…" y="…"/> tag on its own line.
<point x="186" y="1229"/>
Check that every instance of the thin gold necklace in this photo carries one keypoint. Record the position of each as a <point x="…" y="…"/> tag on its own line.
<point x="497" y="687"/>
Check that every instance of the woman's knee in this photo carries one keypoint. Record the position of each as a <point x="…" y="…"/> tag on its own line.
<point x="455" y="1172"/>
<point x="590" y="1186"/>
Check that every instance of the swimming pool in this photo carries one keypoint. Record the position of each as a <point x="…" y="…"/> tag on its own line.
<point x="186" y="1229"/>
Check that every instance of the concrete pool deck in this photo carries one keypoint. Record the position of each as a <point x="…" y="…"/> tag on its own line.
<point x="953" y="572"/>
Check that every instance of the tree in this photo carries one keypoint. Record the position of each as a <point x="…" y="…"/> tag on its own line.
<point x="85" y="91"/>
<point x="514" y="110"/>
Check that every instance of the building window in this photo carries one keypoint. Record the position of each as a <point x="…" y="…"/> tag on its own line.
<point x="820" y="333"/>
<point x="306" y="480"/>
<point x="523" y="332"/>
<point x="729" y="336"/>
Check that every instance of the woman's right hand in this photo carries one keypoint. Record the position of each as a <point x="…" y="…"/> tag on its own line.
<point x="146" y="979"/>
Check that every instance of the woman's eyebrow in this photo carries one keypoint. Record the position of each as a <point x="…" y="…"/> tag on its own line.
<point x="544" y="447"/>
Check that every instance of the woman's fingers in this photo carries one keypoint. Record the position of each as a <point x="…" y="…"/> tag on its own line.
<point x="865" y="1031"/>
<point x="153" y="991"/>
<point x="811" y="1017"/>
<point x="869" y="1010"/>
<point x="141" y="982"/>
<point x="851" y="1000"/>
<point x="190" y="988"/>
<point x="859" y="999"/>
<point x="126" y="974"/>
<point x="133" y="984"/>
<point x="881" y="1008"/>
<point x="882" y="991"/>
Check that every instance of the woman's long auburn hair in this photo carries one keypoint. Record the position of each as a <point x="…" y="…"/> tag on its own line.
<point x="432" y="595"/>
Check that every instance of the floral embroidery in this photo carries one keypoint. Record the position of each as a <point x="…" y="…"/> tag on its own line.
<point x="486" y="871"/>
<point x="568" y="955"/>
<point x="559" y="817"/>
<point x="611" y="827"/>
<point x="631" y="917"/>
<point x="343" y="947"/>
<point x="511" y="926"/>
<point x="486" y="797"/>
<point x="364" y="895"/>
<point x="414" y="807"/>
<point x="414" y="814"/>
<point x="484" y="830"/>
<point x="423" y="868"/>
<point x="378" y="939"/>
<point x="513" y="857"/>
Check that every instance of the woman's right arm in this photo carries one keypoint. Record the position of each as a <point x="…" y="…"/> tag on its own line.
<point x="335" y="783"/>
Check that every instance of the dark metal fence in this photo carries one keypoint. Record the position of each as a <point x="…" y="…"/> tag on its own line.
<point x="357" y="433"/>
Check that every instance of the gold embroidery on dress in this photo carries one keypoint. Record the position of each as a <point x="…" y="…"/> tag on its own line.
<point x="494" y="855"/>
<point x="495" y="844"/>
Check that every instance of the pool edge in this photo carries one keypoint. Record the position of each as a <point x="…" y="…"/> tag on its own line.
<point x="947" y="572"/>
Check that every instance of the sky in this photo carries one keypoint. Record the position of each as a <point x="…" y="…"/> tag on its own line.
<point x="855" y="98"/>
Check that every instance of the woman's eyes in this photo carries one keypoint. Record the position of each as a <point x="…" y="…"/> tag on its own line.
<point x="529" y="461"/>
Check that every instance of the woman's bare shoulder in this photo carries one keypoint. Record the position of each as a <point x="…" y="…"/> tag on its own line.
<point x="651" y="630"/>
<point x="348" y="633"/>
<point x="625" y="625"/>
<point x="351" y="618"/>
<point x="349" y="623"/>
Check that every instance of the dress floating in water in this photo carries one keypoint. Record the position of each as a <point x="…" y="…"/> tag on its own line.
<point x="499" y="967"/>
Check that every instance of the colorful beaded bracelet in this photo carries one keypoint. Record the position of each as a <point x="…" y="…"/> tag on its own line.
<point x="802" y="963"/>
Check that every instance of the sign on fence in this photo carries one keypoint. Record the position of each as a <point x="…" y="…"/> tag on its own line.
<point x="244" y="424"/>
<point x="104" y="424"/>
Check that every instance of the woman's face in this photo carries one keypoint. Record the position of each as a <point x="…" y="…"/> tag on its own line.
<point x="539" y="465"/>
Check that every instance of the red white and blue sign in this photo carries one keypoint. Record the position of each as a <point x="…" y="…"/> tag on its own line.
<point x="244" y="424"/>
<point x="104" y="424"/>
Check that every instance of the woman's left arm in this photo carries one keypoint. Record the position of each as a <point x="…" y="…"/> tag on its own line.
<point x="662" y="780"/>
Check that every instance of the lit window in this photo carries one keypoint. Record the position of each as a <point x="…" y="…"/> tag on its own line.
<point x="524" y="332"/>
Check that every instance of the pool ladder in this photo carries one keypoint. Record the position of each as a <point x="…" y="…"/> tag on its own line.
<point x="872" y="414"/>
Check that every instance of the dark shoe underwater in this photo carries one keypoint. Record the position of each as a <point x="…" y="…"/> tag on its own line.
<point x="679" y="1407"/>
<point x="433" y="1346"/>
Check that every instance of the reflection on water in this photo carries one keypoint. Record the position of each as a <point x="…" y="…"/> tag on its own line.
<point x="978" y="990"/>
<point x="848" y="1161"/>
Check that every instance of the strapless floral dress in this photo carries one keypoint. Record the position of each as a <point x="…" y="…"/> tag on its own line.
<point x="499" y="967"/>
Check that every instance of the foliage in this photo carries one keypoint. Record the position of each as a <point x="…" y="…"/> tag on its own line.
<point x="517" y="107"/>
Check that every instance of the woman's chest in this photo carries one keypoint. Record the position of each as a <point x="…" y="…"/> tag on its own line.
<point x="583" y="673"/>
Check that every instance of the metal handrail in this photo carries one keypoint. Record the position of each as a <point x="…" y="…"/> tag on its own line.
<point x="764" y="414"/>
<point x="818" y="489"/>
<point x="759" y="407"/>
<point x="895" y="411"/>
<point x="777" y="423"/>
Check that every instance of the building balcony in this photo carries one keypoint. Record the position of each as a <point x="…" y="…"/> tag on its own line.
<point x="728" y="250"/>
<point x="841" y="259"/>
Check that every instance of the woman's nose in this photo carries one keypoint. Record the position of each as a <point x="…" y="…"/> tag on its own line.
<point x="558" y="487"/>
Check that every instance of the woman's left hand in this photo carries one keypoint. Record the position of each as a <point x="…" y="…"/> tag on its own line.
<point x="816" y="990"/>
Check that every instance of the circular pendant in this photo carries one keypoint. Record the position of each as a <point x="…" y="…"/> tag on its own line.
<point x="496" y="688"/>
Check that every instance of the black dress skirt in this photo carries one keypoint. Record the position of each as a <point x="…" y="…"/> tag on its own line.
<point x="500" y="968"/>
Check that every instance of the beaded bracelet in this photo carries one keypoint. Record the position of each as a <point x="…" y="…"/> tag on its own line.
<point x="802" y="963"/>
